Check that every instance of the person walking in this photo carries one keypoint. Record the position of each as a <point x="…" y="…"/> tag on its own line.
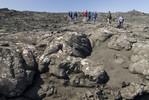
<point x="88" y="16"/>
<point x="75" y="16"/>
<point x="85" y="16"/>
<point x="109" y="18"/>
<point x="120" y="21"/>
<point x="95" y="17"/>
<point x="70" y="16"/>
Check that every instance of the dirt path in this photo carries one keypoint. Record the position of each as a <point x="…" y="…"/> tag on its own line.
<point x="103" y="55"/>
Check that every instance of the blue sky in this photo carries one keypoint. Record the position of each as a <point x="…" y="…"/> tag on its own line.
<point x="76" y="5"/>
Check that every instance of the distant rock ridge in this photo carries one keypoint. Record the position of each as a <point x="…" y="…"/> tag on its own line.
<point x="135" y="12"/>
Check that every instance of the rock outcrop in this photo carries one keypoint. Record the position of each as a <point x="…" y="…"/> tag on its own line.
<point x="139" y="58"/>
<point x="16" y="72"/>
<point x="80" y="45"/>
<point x="122" y="41"/>
<point x="130" y="92"/>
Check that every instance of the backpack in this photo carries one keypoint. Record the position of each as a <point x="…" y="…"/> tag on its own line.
<point x="95" y="15"/>
<point x="121" y="19"/>
<point x="89" y="14"/>
<point x="109" y="16"/>
<point x="75" y="14"/>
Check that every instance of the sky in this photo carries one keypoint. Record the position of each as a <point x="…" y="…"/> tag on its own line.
<point x="76" y="5"/>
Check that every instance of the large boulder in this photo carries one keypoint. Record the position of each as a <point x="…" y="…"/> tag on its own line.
<point x="74" y="44"/>
<point x="94" y="71"/>
<point x="120" y="42"/>
<point x="80" y="72"/>
<point x="99" y="35"/>
<point x="140" y="58"/>
<point x="14" y="73"/>
<point x="65" y="68"/>
<point x="81" y="45"/>
<point x="57" y="48"/>
<point x="140" y="67"/>
<point x="130" y="92"/>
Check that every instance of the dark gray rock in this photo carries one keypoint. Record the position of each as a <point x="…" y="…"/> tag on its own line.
<point x="35" y="93"/>
<point x="4" y="43"/>
<point x="146" y="29"/>
<point x="94" y="71"/>
<point x="18" y="98"/>
<point x="79" y="80"/>
<point x="80" y="73"/>
<point x="43" y="65"/>
<point x="36" y="90"/>
<point x="65" y="68"/>
<point x="14" y="77"/>
<point x="3" y="98"/>
<point x="81" y="45"/>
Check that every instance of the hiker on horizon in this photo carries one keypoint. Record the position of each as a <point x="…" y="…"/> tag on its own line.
<point x="120" y="21"/>
<point x="95" y="17"/>
<point x="85" y="16"/>
<point x="109" y="18"/>
<point x="70" y="16"/>
<point x="88" y="16"/>
<point x="75" y="16"/>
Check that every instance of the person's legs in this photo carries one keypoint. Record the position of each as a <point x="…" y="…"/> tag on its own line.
<point x="75" y="18"/>
<point x="87" y="19"/>
<point x="109" y="21"/>
<point x="121" y="24"/>
<point x="84" y="19"/>
<point x="68" y="19"/>
<point x="72" y="18"/>
<point x="94" y="20"/>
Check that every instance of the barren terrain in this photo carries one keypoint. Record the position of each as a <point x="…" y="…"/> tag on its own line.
<point x="45" y="57"/>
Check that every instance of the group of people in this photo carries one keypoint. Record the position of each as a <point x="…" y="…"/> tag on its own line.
<point x="72" y="16"/>
<point x="87" y="16"/>
<point x="120" y="20"/>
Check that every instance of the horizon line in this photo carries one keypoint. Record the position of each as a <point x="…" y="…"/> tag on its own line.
<point x="70" y="10"/>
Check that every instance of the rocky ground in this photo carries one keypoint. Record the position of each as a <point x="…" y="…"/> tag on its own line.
<point x="45" y="57"/>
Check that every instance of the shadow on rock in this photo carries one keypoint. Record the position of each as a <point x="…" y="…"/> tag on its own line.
<point x="35" y="92"/>
<point x="144" y="96"/>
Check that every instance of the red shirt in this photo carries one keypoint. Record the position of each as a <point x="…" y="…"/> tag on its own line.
<point x="85" y="14"/>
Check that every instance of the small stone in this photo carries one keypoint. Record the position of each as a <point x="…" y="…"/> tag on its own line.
<point x="52" y="90"/>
